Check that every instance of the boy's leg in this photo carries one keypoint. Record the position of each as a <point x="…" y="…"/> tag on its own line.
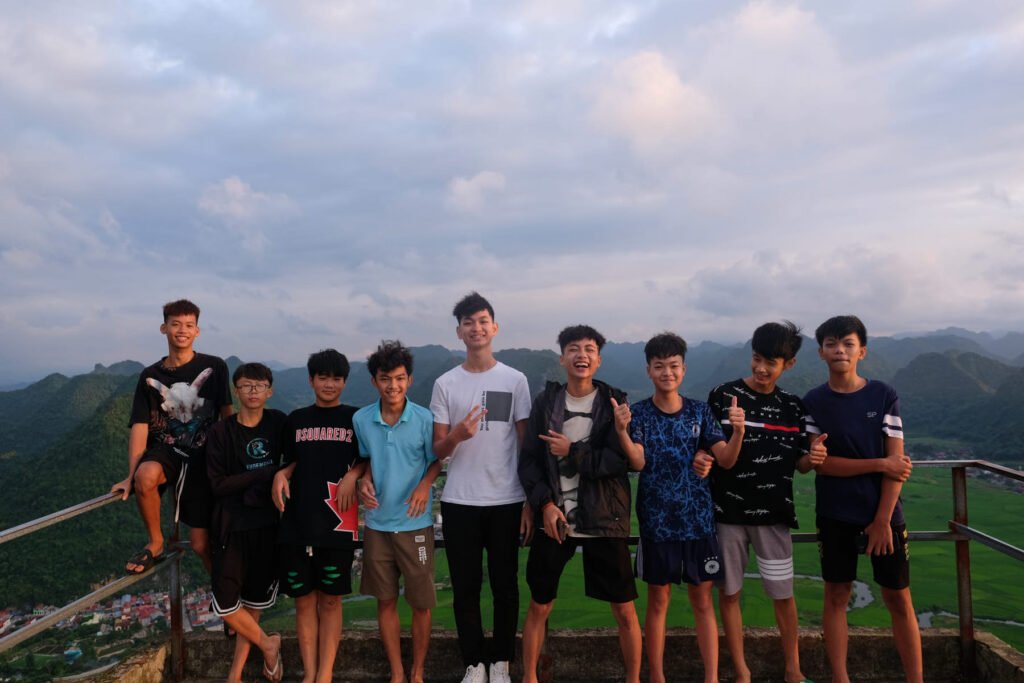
<point x="733" y="544"/>
<point x="837" y="548"/>
<point x="199" y="539"/>
<point x="773" y="546"/>
<point x="533" y="637"/>
<point x="837" y="598"/>
<point x="892" y="573"/>
<point x="789" y="636"/>
<point x="463" y="530"/>
<point x="732" y="624"/>
<point x="502" y="543"/>
<point x="905" y="631"/>
<point x="307" y="626"/>
<point x="149" y="477"/>
<point x="706" y="627"/>
<point x="420" y="643"/>
<point x="544" y="567"/>
<point x="630" y="638"/>
<point x="390" y="637"/>
<point x="245" y="622"/>
<point x="658" y="599"/>
<point x="328" y="635"/>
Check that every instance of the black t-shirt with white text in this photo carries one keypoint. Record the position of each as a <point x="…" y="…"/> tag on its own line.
<point x="322" y="444"/>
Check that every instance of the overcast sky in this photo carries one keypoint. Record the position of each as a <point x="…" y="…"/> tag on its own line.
<point x="330" y="173"/>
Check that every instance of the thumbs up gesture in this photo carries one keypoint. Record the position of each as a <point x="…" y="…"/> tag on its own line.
<point x="622" y="415"/>
<point x="818" y="452"/>
<point x="737" y="416"/>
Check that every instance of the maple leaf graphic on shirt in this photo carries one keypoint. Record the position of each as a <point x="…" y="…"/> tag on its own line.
<point x="348" y="519"/>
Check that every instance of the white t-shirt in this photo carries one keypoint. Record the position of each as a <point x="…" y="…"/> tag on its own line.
<point x="483" y="469"/>
<point x="579" y="420"/>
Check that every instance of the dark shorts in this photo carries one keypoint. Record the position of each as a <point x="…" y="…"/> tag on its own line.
<point x="663" y="562"/>
<point x="840" y="544"/>
<point x="307" y="568"/>
<point x="245" y="571"/>
<point x="186" y="476"/>
<point x="607" y="569"/>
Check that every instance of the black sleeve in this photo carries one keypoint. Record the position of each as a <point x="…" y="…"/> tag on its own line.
<point x="218" y="464"/>
<point x="224" y="385"/>
<point x="533" y="459"/>
<point x="140" y="403"/>
<point x="602" y="457"/>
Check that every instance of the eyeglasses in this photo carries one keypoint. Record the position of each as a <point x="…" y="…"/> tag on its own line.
<point x="257" y="388"/>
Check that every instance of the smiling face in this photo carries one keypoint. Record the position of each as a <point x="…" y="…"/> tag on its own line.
<point x="477" y="331"/>
<point x="581" y="359"/>
<point x="765" y="372"/>
<point x="666" y="373"/>
<point x="842" y="353"/>
<point x="392" y="385"/>
<point x="181" y="331"/>
<point x="327" y="389"/>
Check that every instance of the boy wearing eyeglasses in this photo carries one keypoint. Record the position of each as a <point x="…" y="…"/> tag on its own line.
<point x="241" y="458"/>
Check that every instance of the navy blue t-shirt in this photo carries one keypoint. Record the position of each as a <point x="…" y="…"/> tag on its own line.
<point x="857" y="425"/>
<point x="673" y="503"/>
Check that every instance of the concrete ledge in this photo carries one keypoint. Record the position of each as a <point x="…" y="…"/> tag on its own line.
<point x="593" y="656"/>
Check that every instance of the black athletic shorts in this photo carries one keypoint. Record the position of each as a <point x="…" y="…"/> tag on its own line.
<point x="663" y="562"/>
<point x="607" y="568"/>
<point x="305" y="568"/>
<point x="245" y="571"/>
<point x="186" y="476"/>
<point x="840" y="544"/>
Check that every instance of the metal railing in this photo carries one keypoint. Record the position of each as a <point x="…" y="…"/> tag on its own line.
<point x="959" y="532"/>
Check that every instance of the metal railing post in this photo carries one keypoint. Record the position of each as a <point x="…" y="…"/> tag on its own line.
<point x="963" y="577"/>
<point x="177" y="629"/>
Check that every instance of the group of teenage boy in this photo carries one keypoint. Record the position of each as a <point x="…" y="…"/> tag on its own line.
<point x="272" y="499"/>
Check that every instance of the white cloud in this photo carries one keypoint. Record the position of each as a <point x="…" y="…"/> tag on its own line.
<point x="470" y="195"/>
<point x="646" y="102"/>
<point x="244" y="211"/>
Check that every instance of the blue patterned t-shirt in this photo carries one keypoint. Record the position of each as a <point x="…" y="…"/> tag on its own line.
<point x="673" y="503"/>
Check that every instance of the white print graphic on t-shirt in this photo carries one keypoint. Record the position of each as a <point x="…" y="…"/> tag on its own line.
<point x="181" y="400"/>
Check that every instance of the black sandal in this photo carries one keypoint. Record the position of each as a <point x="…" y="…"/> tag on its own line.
<point x="145" y="559"/>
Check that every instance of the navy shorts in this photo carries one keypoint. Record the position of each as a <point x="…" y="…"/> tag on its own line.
<point x="840" y="545"/>
<point x="694" y="561"/>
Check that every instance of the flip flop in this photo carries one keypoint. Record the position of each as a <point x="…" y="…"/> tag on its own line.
<point x="145" y="559"/>
<point x="277" y="673"/>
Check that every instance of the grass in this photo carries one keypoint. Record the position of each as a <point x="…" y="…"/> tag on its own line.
<point x="928" y="506"/>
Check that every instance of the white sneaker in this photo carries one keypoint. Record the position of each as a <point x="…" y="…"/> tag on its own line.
<point x="475" y="674"/>
<point x="499" y="673"/>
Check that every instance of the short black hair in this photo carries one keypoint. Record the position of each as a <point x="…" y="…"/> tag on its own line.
<point x="777" y="340"/>
<point x="839" y="326"/>
<point x="390" y="355"/>
<point x="254" y="371"/>
<point x="665" y="345"/>
<point x="180" y="307"/>
<point x="575" y="333"/>
<point x="328" y="362"/>
<point x="471" y="304"/>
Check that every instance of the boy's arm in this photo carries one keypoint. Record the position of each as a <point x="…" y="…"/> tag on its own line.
<point x="727" y="453"/>
<point x="526" y="516"/>
<point x="447" y="437"/>
<point x="367" y="491"/>
<point x="345" y="494"/>
<point x="532" y="466"/>
<point x="137" y="438"/>
<point x="280" y="489"/>
<point x="420" y="496"/>
<point x="894" y="467"/>
<point x="879" y="531"/>
<point x="634" y="451"/>
<point x="217" y="456"/>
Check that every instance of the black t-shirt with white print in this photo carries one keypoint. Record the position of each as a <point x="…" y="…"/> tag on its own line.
<point x="758" y="490"/>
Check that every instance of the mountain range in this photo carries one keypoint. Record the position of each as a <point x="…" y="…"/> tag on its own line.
<point x="63" y="439"/>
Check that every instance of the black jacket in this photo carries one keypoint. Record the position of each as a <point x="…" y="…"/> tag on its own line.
<point x="604" y="493"/>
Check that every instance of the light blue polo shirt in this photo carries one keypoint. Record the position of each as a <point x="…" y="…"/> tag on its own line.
<point x="399" y="456"/>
